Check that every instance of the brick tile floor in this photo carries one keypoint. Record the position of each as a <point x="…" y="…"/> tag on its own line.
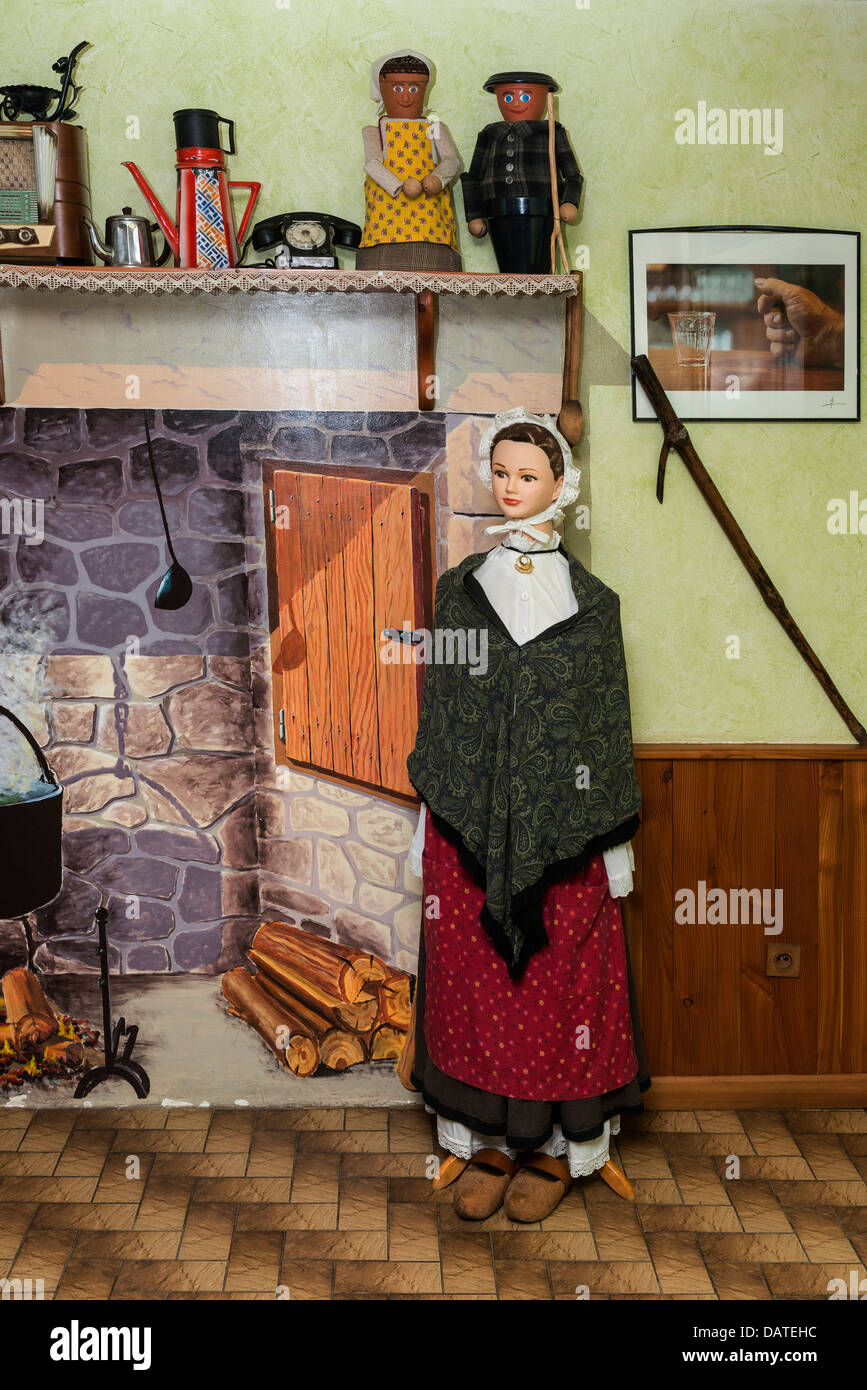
<point x="337" y="1204"/>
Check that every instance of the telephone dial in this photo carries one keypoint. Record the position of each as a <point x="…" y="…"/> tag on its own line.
<point x="303" y="239"/>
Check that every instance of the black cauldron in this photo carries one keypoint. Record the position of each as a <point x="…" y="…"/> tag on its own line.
<point x="21" y="98"/>
<point x="31" y="868"/>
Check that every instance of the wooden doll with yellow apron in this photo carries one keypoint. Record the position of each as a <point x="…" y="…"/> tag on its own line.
<point x="410" y="161"/>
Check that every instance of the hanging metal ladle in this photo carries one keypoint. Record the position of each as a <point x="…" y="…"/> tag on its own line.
<point x="176" y="586"/>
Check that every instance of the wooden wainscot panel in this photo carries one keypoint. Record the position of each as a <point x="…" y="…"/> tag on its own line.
<point x="648" y="915"/>
<point x="852" y="924"/>
<point x="756" y="987"/>
<point x="791" y="822"/>
<point x="797" y="877"/>
<point x="833" y="1028"/>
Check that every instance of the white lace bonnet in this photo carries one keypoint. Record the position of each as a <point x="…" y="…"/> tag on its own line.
<point x="571" y="475"/>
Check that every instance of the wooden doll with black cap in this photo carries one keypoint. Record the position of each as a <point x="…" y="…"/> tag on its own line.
<point x="507" y="188"/>
<point x="527" y="1042"/>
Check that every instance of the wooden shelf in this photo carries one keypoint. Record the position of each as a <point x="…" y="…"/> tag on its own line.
<point x="257" y="279"/>
<point x="425" y="285"/>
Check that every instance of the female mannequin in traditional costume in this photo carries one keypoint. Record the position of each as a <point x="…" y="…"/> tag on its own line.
<point x="527" y="1041"/>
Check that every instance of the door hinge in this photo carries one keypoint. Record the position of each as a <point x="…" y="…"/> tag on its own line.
<point x="283" y="725"/>
<point x="272" y="504"/>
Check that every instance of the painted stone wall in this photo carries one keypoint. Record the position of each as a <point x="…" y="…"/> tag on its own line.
<point x="159" y="724"/>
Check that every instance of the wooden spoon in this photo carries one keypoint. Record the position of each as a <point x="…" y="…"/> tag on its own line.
<point x="570" y="421"/>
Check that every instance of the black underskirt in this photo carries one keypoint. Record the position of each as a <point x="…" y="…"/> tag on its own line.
<point x="527" y="1124"/>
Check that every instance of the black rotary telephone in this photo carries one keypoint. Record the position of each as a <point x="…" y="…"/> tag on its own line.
<point x="303" y="240"/>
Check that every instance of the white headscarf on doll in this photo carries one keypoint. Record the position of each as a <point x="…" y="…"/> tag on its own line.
<point x="376" y="68"/>
<point x="571" y="475"/>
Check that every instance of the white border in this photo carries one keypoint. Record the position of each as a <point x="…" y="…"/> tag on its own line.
<point x="744" y="246"/>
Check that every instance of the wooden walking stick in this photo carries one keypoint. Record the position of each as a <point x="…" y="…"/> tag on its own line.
<point x="556" y="235"/>
<point x="677" y="438"/>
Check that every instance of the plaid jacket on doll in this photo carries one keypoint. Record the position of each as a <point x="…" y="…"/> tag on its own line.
<point x="511" y="161"/>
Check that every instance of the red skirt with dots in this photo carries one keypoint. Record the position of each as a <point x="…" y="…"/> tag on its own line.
<point x="564" y="1032"/>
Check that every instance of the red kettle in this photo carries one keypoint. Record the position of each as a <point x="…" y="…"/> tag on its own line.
<point x="205" y="233"/>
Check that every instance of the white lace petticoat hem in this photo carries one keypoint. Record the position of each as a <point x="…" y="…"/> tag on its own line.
<point x="584" y="1158"/>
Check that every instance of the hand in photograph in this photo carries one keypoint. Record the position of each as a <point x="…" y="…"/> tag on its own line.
<point x="799" y="325"/>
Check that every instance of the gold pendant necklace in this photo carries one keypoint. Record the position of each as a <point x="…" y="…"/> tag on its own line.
<point x="524" y="564"/>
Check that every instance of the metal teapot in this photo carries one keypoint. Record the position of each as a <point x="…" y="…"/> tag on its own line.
<point x="128" y="241"/>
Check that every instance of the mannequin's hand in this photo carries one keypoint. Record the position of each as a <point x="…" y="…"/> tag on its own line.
<point x="412" y="188"/>
<point x="432" y="184"/>
<point x="477" y="227"/>
<point x="568" y="212"/>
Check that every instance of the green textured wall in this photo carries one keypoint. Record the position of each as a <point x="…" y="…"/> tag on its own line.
<point x="295" y="79"/>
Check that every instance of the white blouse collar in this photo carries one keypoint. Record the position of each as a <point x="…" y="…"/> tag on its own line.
<point x="516" y="540"/>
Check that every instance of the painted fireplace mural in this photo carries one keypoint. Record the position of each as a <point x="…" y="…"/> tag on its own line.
<point x="233" y="771"/>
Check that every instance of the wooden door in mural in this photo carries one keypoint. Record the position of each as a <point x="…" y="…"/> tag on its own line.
<point x="350" y="559"/>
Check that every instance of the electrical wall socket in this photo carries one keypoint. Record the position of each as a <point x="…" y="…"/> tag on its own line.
<point x="783" y="958"/>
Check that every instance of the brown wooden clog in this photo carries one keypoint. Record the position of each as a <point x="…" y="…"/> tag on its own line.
<point x="617" y="1180"/>
<point x="449" y="1171"/>
<point x="481" y="1187"/>
<point x="531" y="1195"/>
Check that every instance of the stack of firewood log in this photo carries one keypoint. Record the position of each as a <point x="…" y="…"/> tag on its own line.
<point x="319" y="1004"/>
<point x="37" y="1040"/>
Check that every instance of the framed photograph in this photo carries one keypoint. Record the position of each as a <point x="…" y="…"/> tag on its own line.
<point x="748" y="323"/>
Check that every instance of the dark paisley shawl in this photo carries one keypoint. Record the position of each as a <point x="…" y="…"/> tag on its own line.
<point x="498" y="753"/>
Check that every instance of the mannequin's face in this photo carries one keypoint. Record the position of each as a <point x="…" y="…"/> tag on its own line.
<point x="403" y="93"/>
<point x="522" y="479"/>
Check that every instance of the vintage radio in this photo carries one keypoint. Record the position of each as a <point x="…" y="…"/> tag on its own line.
<point x="44" y="194"/>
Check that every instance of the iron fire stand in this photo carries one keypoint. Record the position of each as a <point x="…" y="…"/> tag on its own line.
<point x="122" y="1066"/>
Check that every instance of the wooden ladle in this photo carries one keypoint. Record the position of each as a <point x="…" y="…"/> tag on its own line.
<point x="570" y="421"/>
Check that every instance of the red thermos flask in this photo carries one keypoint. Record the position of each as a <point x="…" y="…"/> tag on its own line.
<point x="205" y="233"/>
